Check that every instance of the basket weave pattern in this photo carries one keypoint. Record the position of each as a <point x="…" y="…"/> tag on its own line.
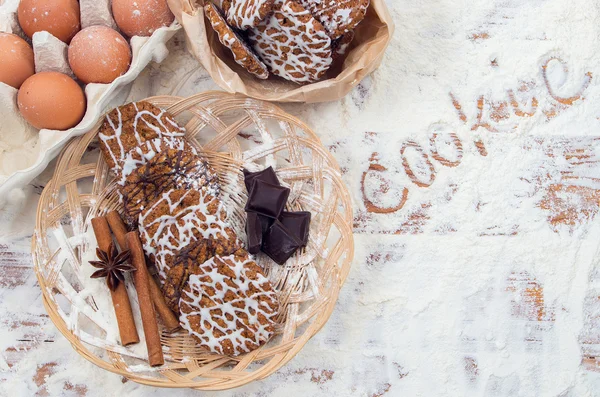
<point x="233" y="132"/>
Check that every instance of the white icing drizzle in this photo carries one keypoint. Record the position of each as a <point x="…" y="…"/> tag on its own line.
<point x="180" y="225"/>
<point x="140" y="155"/>
<point x="164" y="131"/>
<point x="169" y="130"/>
<point x="244" y="14"/>
<point x="228" y="300"/>
<point x="273" y="42"/>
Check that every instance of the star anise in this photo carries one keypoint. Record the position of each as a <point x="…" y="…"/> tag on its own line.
<point x="112" y="264"/>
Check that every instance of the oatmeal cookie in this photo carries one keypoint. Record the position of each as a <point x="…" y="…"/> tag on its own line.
<point x="167" y="170"/>
<point x="242" y="53"/>
<point x="143" y="153"/>
<point x="337" y="16"/>
<point x="292" y="43"/>
<point x="228" y="305"/>
<point x="130" y="127"/>
<point x="244" y="14"/>
<point x="341" y="44"/>
<point x="177" y="219"/>
<point x="189" y="259"/>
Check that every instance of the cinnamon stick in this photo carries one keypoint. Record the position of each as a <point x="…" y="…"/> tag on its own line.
<point x="120" y="230"/>
<point x="169" y="319"/>
<point x="142" y="286"/>
<point x="119" y="296"/>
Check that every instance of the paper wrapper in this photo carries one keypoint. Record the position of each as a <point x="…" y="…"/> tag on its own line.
<point x="25" y="152"/>
<point x="372" y="37"/>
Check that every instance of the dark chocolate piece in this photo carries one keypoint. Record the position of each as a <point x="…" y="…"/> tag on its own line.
<point x="267" y="199"/>
<point x="279" y="243"/>
<point x="256" y="226"/>
<point x="265" y="222"/>
<point x="267" y="175"/>
<point x="254" y="232"/>
<point x="297" y="223"/>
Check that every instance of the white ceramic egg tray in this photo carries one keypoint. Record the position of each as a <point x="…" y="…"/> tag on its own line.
<point x="25" y="151"/>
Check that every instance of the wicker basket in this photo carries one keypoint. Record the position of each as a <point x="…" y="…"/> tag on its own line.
<point x="233" y="132"/>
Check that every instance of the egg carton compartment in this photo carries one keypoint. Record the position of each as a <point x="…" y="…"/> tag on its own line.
<point x="25" y="151"/>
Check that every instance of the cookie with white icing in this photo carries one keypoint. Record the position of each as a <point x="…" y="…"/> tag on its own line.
<point x="128" y="128"/>
<point x="242" y="53"/>
<point x="244" y="14"/>
<point x="145" y="152"/>
<point x="292" y="43"/>
<point x="169" y="169"/>
<point x="341" y="44"/>
<point x="178" y="218"/>
<point x="188" y="260"/>
<point x="229" y="306"/>
<point x="337" y="16"/>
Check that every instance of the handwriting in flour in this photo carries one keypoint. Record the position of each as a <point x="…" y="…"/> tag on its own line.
<point x="492" y="115"/>
<point x="417" y="165"/>
<point x="505" y="114"/>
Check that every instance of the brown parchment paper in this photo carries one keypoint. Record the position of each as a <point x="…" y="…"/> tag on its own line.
<point x="372" y="37"/>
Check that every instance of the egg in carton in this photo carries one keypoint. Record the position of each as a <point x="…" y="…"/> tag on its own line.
<point x="24" y="150"/>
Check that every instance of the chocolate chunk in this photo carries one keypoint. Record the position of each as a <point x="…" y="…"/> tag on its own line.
<point x="265" y="223"/>
<point x="267" y="175"/>
<point x="279" y="243"/>
<point x="297" y="223"/>
<point x="267" y="199"/>
<point x="254" y="232"/>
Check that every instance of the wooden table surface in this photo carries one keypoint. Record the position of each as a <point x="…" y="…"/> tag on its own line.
<point x="357" y="352"/>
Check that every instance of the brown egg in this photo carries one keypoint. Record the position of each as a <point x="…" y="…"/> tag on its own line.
<point x="51" y="100"/>
<point x="141" y="17"/>
<point x="99" y="54"/>
<point x="57" y="17"/>
<point x="16" y="60"/>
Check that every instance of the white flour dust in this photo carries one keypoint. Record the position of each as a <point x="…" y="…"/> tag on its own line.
<point x="472" y="156"/>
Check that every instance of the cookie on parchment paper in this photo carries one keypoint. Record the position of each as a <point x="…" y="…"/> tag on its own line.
<point x="168" y="169"/>
<point x="292" y="43"/>
<point x="229" y="306"/>
<point x="242" y="53"/>
<point x="244" y="14"/>
<point x="131" y="127"/>
<point x="337" y="16"/>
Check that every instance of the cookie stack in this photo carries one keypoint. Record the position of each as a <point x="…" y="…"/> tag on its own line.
<point x="171" y="194"/>
<point x="297" y="40"/>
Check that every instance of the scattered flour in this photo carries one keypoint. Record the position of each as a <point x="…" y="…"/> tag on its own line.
<point x="476" y="263"/>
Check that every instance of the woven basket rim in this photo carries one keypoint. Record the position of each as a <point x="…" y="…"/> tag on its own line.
<point x="66" y="173"/>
